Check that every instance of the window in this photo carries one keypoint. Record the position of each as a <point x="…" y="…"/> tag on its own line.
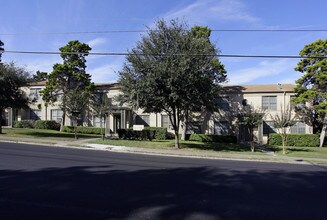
<point x="222" y="103"/>
<point x="221" y="128"/>
<point x="298" y="128"/>
<point x="165" y="122"/>
<point x="143" y="120"/>
<point x="269" y="103"/>
<point x="35" y="114"/>
<point x="97" y="122"/>
<point x="56" y="115"/>
<point x="35" y="94"/>
<point x="268" y="127"/>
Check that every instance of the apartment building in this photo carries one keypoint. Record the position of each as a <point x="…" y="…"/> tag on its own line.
<point x="270" y="97"/>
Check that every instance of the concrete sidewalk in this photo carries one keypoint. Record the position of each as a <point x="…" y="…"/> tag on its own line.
<point x="84" y="144"/>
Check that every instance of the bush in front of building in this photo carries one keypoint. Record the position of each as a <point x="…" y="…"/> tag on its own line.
<point x="135" y="135"/>
<point x="24" y="124"/>
<point x="159" y="132"/>
<point x="213" y="138"/>
<point x="47" y="124"/>
<point x="296" y="140"/>
<point x="82" y="130"/>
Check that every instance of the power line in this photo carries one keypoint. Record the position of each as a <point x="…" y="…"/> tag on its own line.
<point x="142" y="31"/>
<point x="143" y="54"/>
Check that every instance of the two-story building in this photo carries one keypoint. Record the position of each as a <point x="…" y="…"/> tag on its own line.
<point x="270" y="97"/>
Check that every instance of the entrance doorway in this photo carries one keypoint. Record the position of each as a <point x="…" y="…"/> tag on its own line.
<point x="117" y="122"/>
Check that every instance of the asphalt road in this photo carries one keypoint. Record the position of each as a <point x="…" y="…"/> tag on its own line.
<point x="39" y="182"/>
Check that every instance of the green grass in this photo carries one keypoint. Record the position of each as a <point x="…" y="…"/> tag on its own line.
<point x="185" y="145"/>
<point x="41" y="133"/>
<point x="305" y="152"/>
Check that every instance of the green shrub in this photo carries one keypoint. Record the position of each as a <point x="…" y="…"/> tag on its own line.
<point x="297" y="140"/>
<point x="24" y="124"/>
<point x="159" y="132"/>
<point x="47" y="124"/>
<point x="135" y="135"/>
<point x="82" y="130"/>
<point x="213" y="138"/>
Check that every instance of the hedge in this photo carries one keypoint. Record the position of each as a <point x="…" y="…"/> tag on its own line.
<point x="159" y="132"/>
<point x="136" y="135"/>
<point x="297" y="140"/>
<point x="24" y="124"/>
<point x="47" y="124"/>
<point x="213" y="138"/>
<point x="82" y="130"/>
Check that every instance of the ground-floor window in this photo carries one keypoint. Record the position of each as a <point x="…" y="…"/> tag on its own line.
<point x="221" y="127"/>
<point x="56" y="115"/>
<point x="35" y="114"/>
<point x="298" y="128"/>
<point x="165" y="122"/>
<point x="97" y="122"/>
<point x="142" y="120"/>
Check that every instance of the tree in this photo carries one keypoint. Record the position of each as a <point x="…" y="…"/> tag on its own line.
<point x="282" y="122"/>
<point x="171" y="70"/>
<point x="251" y="118"/>
<point x="40" y="76"/>
<point x="101" y="107"/>
<point x="71" y="74"/>
<point x="1" y="49"/>
<point x="12" y="78"/>
<point x="312" y="86"/>
<point x="76" y="102"/>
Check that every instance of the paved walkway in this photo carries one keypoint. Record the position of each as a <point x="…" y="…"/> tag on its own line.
<point x="84" y="144"/>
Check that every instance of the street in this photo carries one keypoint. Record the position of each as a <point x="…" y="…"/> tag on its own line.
<point x="40" y="182"/>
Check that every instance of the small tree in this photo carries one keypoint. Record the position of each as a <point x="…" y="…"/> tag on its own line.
<point x="251" y="118"/>
<point x="68" y="75"/>
<point x="101" y="107"/>
<point x="282" y="122"/>
<point x="75" y="103"/>
<point x="311" y="87"/>
<point x="12" y="78"/>
<point x="40" y="76"/>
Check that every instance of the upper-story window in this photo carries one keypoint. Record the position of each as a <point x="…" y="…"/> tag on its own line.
<point x="35" y="94"/>
<point x="269" y="103"/>
<point x="222" y="103"/>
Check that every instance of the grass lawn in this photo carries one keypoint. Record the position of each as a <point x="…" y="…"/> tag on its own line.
<point x="41" y="133"/>
<point x="185" y="145"/>
<point x="305" y="152"/>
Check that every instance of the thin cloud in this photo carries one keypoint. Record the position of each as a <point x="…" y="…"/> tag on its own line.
<point x="263" y="69"/>
<point x="97" y="42"/>
<point x="105" y="73"/>
<point x="203" y="11"/>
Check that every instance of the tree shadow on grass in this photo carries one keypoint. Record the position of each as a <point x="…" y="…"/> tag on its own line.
<point x="58" y="135"/>
<point x="104" y="192"/>
<point x="217" y="146"/>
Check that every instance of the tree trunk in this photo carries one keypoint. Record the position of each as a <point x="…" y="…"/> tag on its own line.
<point x="101" y="129"/>
<point x="176" y="140"/>
<point x="75" y="130"/>
<point x="63" y="121"/>
<point x="184" y="126"/>
<point x="323" y="132"/>
<point x="284" y="137"/>
<point x="1" y="110"/>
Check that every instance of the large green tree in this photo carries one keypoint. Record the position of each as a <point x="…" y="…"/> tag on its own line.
<point x="69" y="75"/>
<point x="172" y="70"/>
<point x="12" y="78"/>
<point x="40" y="76"/>
<point x="312" y="86"/>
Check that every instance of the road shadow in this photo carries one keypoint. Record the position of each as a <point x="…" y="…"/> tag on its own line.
<point x="101" y="192"/>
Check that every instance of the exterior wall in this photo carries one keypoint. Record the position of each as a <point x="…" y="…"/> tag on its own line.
<point x="125" y="117"/>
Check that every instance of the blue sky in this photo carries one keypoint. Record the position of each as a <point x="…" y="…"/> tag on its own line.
<point x="41" y="16"/>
